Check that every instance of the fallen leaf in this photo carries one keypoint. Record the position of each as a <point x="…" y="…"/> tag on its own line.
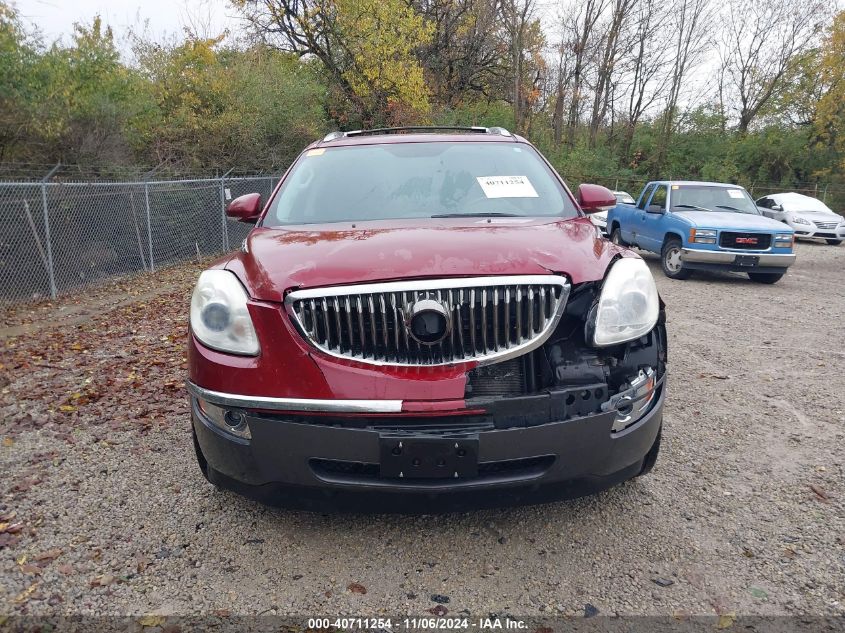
<point x="151" y="620"/>
<point x="726" y="621"/>
<point x="102" y="581"/>
<point x="439" y="610"/>
<point x="11" y="528"/>
<point x="26" y="593"/>
<point x="820" y="493"/>
<point x="67" y="570"/>
<point x="50" y="554"/>
<point x="222" y="613"/>
<point x="8" y="441"/>
<point x="758" y="593"/>
<point x="67" y="408"/>
<point x="355" y="587"/>
<point x="31" y="570"/>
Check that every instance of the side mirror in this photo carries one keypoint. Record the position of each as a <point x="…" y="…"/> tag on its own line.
<point x="245" y="208"/>
<point x="777" y="207"/>
<point x="656" y="208"/>
<point x="595" y="198"/>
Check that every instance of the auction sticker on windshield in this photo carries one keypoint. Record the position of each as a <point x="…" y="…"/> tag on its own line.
<point x="735" y="193"/>
<point x="507" y="187"/>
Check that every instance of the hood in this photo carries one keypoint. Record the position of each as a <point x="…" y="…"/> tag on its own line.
<point x="277" y="259"/>
<point x="731" y="221"/>
<point x="821" y="216"/>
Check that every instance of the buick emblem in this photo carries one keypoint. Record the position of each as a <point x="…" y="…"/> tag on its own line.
<point x="427" y="321"/>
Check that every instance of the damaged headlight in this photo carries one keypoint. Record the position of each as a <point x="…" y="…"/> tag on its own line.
<point x="219" y="315"/>
<point x="628" y="306"/>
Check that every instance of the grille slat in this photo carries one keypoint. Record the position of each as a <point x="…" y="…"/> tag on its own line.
<point x="490" y="318"/>
<point x="826" y="225"/>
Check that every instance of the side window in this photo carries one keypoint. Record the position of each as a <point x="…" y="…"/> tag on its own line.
<point x="658" y="200"/>
<point x="644" y="196"/>
<point x="766" y="203"/>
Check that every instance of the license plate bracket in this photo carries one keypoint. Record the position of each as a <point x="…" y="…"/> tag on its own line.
<point x="746" y="260"/>
<point x="428" y="457"/>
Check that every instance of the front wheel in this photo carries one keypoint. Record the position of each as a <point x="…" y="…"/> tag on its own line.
<point x="651" y="457"/>
<point x="765" y="278"/>
<point x="670" y="259"/>
<point x="616" y="237"/>
<point x="833" y="242"/>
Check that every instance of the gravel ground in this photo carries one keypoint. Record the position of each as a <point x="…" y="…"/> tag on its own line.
<point x="103" y="510"/>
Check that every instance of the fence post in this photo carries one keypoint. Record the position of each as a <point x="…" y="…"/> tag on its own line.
<point x="51" y="273"/>
<point x="223" y="210"/>
<point x="149" y="229"/>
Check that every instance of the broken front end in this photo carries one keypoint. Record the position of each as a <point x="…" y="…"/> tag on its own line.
<point x="436" y="394"/>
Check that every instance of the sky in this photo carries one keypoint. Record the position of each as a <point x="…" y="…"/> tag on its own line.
<point x="55" y="18"/>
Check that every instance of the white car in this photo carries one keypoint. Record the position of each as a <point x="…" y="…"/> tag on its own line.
<point x="600" y="218"/>
<point x="807" y="216"/>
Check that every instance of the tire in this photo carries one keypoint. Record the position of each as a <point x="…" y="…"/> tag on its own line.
<point x="201" y="461"/>
<point x="670" y="262"/>
<point x="833" y="242"/>
<point x="765" y="278"/>
<point x="616" y="237"/>
<point x="651" y="457"/>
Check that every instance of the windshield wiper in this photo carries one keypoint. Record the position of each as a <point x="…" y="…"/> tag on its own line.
<point x="690" y="206"/>
<point x="725" y="206"/>
<point x="480" y="214"/>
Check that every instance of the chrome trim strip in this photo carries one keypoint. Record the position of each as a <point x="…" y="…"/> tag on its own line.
<point x="522" y="346"/>
<point x="425" y="284"/>
<point x="293" y="404"/>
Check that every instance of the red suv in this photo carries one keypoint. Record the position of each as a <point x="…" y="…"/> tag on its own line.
<point x="425" y="319"/>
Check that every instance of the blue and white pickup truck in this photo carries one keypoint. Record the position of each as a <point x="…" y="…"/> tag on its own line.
<point x="704" y="226"/>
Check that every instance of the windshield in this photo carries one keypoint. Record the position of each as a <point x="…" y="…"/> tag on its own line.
<point x="418" y="180"/>
<point x="712" y="198"/>
<point x="623" y="197"/>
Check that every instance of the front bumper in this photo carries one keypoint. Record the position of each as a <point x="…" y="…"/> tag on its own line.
<point x="730" y="260"/>
<point x="805" y="231"/>
<point x="311" y="462"/>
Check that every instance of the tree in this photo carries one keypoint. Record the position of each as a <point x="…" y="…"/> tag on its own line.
<point x="463" y="60"/>
<point x="585" y="21"/>
<point x="761" y="40"/>
<point x="620" y="12"/>
<point x="689" y="22"/>
<point x="366" y="47"/>
<point x="830" y="112"/>
<point x="643" y="66"/>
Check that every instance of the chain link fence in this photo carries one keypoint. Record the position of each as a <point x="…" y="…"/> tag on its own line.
<point x="61" y="236"/>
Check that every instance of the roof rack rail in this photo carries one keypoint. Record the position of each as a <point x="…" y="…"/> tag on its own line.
<point x="500" y="131"/>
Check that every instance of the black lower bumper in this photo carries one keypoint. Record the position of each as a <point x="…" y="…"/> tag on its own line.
<point x="319" y="466"/>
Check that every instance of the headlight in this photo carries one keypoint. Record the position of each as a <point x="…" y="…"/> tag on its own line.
<point x="628" y="306"/>
<point x="702" y="236"/>
<point x="219" y="316"/>
<point x="601" y="216"/>
<point x="783" y="240"/>
<point x="798" y="220"/>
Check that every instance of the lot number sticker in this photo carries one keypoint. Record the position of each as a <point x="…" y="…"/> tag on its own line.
<point x="507" y="187"/>
<point x="735" y="193"/>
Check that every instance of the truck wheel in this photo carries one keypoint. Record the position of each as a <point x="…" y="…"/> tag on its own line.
<point x="833" y="242"/>
<point x="765" y="278"/>
<point x="651" y="457"/>
<point x="616" y="237"/>
<point x="670" y="259"/>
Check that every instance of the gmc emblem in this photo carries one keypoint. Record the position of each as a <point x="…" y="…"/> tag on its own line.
<point x="746" y="240"/>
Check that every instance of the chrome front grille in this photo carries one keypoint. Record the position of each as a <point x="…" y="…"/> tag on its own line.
<point x="488" y="318"/>
<point x="826" y="225"/>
